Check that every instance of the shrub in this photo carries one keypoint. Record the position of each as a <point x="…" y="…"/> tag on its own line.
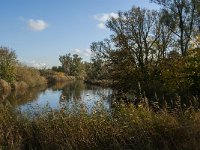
<point x="30" y="76"/>
<point x="4" y="86"/>
<point x="19" y="85"/>
<point x="7" y="64"/>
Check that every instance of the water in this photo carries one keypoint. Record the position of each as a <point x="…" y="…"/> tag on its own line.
<point x="58" y="95"/>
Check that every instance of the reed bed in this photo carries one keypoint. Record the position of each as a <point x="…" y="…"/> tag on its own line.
<point x="123" y="127"/>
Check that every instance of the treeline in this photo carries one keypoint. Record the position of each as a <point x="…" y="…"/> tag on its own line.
<point x="71" y="65"/>
<point x="150" y="52"/>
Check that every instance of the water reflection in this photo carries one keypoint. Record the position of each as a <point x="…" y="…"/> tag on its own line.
<point x="24" y="96"/>
<point x="61" y="93"/>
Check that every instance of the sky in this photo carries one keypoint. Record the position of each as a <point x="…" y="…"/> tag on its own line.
<point x="39" y="31"/>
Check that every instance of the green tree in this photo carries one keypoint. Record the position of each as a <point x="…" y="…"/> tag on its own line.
<point x="99" y="63"/>
<point x="66" y="61"/>
<point x="8" y="60"/>
<point x="182" y="17"/>
<point x="77" y="67"/>
<point x="72" y="65"/>
<point x="138" y="45"/>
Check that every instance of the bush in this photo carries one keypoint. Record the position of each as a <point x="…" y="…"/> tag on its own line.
<point x="4" y="86"/>
<point x="30" y="76"/>
<point x="54" y="77"/>
<point x="7" y="64"/>
<point x="19" y="85"/>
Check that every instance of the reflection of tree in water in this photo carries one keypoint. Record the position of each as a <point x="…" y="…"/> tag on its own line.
<point x="100" y="91"/>
<point x="78" y="92"/>
<point x="24" y="96"/>
<point x="59" y="86"/>
<point x="72" y="91"/>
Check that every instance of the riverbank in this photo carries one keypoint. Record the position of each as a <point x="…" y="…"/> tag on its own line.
<point x="53" y="77"/>
<point x="31" y="77"/>
<point x="123" y="128"/>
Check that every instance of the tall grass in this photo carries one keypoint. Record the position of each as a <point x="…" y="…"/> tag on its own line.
<point x="122" y="128"/>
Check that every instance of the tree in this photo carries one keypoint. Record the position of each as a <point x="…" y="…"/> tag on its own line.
<point x="77" y="66"/>
<point x="57" y="68"/>
<point x="66" y="61"/>
<point x="8" y="60"/>
<point x="182" y="17"/>
<point x="139" y="40"/>
<point x="99" y="63"/>
<point x="72" y="65"/>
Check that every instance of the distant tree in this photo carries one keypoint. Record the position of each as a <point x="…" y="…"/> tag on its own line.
<point x="8" y="60"/>
<point x="77" y="66"/>
<point x="99" y="59"/>
<point x="66" y="61"/>
<point x="57" y="68"/>
<point x="72" y="65"/>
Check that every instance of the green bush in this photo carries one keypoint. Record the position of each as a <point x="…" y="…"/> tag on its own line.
<point x="8" y="60"/>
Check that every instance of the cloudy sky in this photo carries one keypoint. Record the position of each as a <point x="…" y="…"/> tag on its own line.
<point x="41" y="30"/>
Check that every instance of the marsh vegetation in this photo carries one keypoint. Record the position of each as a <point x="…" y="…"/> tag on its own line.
<point x="152" y="62"/>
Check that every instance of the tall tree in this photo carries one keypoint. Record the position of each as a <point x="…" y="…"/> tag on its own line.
<point x="182" y="17"/>
<point x="136" y="32"/>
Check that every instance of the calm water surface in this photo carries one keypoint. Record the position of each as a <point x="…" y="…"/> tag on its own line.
<point x="59" y="94"/>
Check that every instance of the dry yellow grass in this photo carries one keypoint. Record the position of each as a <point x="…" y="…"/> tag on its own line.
<point x="122" y="128"/>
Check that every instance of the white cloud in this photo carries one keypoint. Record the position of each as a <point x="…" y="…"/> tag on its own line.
<point x="76" y="50"/>
<point x="102" y="18"/>
<point x="85" y="54"/>
<point x="101" y="25"/>
<point x="35" y="64"/>
<point x="37" y="25"/>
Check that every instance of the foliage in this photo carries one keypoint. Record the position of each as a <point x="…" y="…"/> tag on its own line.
<point x="72" y="65"/>
<point x="4" y="87"/>
<point x="192" y="68"/>
<point x="54" y="76"/>
<point x="29" y="75"/>
<point x="8" y="60"/>
<point x="123" y="128"/>
<point x="182" y="17"/>
<point x="151" y="52"/>
<point x="57" y="68"/>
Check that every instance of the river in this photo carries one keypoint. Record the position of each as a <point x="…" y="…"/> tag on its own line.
<point x="58" y="95"/>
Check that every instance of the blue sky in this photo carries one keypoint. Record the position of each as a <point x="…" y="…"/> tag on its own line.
<point x="41" y="30"/>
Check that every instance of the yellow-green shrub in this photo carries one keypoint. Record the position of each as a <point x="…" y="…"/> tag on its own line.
<point x="30" y="76"/>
